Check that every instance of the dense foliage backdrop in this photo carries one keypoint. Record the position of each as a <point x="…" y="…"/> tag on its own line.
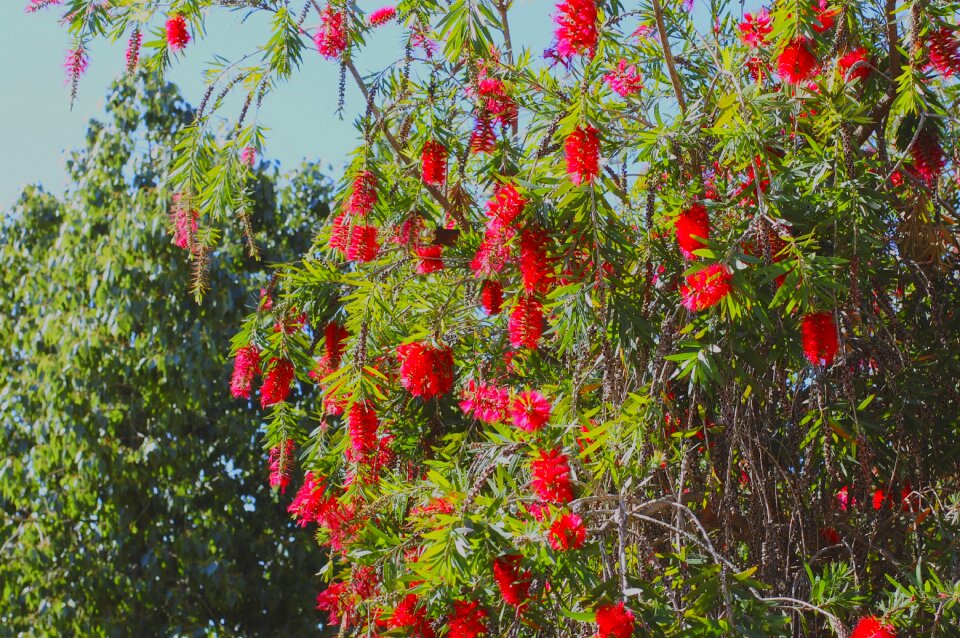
<point x="651" y="333"/>
<point x="133" y="492"/>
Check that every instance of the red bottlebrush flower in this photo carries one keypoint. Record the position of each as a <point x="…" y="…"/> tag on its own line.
<point x="409" y="232"/>
<point x="178" y="36"/>
<point x="494" y="251"/>
<point x="879" y="497"/>
<point x="491" y="297"/>
<point x="755" y="28"/>
<point x="819" y="336"/>
<point x="333" y="336"/>
<point x="362" y="426"/>
<point x="551" y="476"/>
<point x="485" y="402"/>
<point x="363" y="244"/>
<point x="943" y="51"/>
<point x="467" y="620"/>
<point x="826" y="17"/>
<point x="410" y="615"/>
<point x="335" y="600"/>
<point x="851" y="59"/>
<point x="364" y="582"/>
<point x="873" y="627"/>
<point x="530" y="411"/>
<point x="567" y="532"/>
<point x="433" y="162"/>
<point x="927" y="154"/>
<point x="331" y="36"/>
<point x="614" y="621"/>
<point x="514" y="586"/>
<point x="497" y="103"/>
<point x="281" y="465"/>
<point x="505" y="206"/>
<point x="582" y="150"/>
<point x="340" y="233"/>
<point x="796" y="63"/>
<point x="364" y="195"/>
<point x="693" y="223"/>
<point x="758" y="68"/>
<point x="577" y="30"/>
<point x="133" y="50"/>
<point x="844" y="499"/>
<point x="483" y="139"/>
<point x="425" y="371"/>
<point x="625" y="80"/>
<point x="310" y="505"/>
<point x="248" y="156"/>
<point x="75" y="64"/>
<point x="277" y="382"/>
<point x="430" y="259"/>
<point x="382" y="16"/>
<point x="536" y="269"/>
<point x="246" y="365"/>
<point x="706" y="287"/>
<point x="184" y="223"/>
<point x="526" y="323"/>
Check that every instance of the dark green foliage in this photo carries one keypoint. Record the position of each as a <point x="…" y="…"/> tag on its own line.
<point x="133" y="489"/>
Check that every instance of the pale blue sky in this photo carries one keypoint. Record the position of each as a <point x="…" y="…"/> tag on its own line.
<point x="37" y="125"/>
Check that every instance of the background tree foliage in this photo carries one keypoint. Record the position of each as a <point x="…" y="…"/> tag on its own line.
<point x="133" y="492"/>
<point x="773" y="454"/>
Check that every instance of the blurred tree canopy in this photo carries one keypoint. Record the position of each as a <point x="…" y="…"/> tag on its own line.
<point x="133" y="492"/>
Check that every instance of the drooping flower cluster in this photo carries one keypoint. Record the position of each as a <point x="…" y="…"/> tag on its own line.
<point x="246" y="365"/>
<point x="625" y="80"/>
<point x="496" y="104"/>
<point x="530" y="411"/>
<point x="133" y="50"/>
<point x="281" y="464"/>
<point x="536" y="268"/>
<point x="468" y="620"/>
<point x="184" y="219"/>
<point x="248" y="156"/>
<point x="819" y="338"/>
<point x="826" y="16"/>
<point x="797" y="63"/>
<point x="582" y="151"/>
<point x="485" y="402"/>
<point x="927" y="154"/>
<point x="873" y="627"/>
<point x="513" y="584"/>
<point x="430" y="259"/>
<point x="691" y="227"/>
<point x="382" y="16"/>
<point x="525" y="326"/>
<point x="706" y="287"/>
<point x="362" y="426"/>
<point x="551" y="476"/>
<point x="943" y="51"/>
<point x="755" y="28"/>
<point x="425" y="371"/>
<point x="577" y="30"/>
<point x="614" y="621"/>
<point x="433" y="163"/>
<point x="312" y="505"/>
<point x="567" y="532"/>
<point x="178" y="36"/>
<point x="410" y="615"/>
<point x="331" y="36"/>
<point x="854" y="65"/>
<point x="336" y="602"/>
<point x="491" y="297"/>
<point x="363" y="196"/>
<point x="75" y="64"/>
<point x="277" y="382"/>
<point x="494" y="251"/>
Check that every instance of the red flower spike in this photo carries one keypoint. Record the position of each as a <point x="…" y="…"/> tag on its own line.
<point x="582" y="151"/>
<point x="485" y="402"/>
<point x="468" y="620"/>
<point x="927" y="154"/>
<point x="277" y="382"/>
<point x="514" y="586"/>
<point x="133" y="50"/>
<point x="755" y="28"/>
<point x="505" y="206"/>
<point x="943" y="51"/>
<point x="363" y="244"/>
<point x="624" y="80"/>
<point x="178" y="36"/>
<point x="819" y="336"/>
<point x="430" y="259"/>
<point x="577" y="30"/>
<point x="362" y="426"/>
<point x="796" y="63"/>
<point x="331" y="36"/>
<point x="336" y="602"/>
<point x="281" y="464"/>
<point x="340" y="233"/>
<point x="851" y="59"/>
<point x="530" y="411"/>
<point x="246" y="365"/>
<point x="433" y="161"/>
<point x="693" y="223"/>
<point x="551" y="476"/>
<point x="491" y="297"/>
<point x="567" y="532"/>
<point x="364" y="195"/>
<point x="382" y="16"/>
<point x="408" y="614"/>
<point x="872" y="627"/>
<point x="614" y="621"/>
<point x="706" y="287"/>
<point x="536" y="269"/>
<point x="525" y="326"/>
<point x="425" y="371"/>
<point x="483" y="139"/>
<point x="826" y="16"/>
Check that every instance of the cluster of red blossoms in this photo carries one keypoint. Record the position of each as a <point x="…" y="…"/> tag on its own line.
<point x="819" y="338"/>
<point x="943" y="51"/>
<point x="433" y="163"/>
<point x="495" y="106"/>
<point x="577" y="30"/>
<point x="281" y="465"/>
<point x="582" y="154"/>
<point x="614" y="621"/>
<point x="873" y="627"/>
<point x="246" y="365"/>
<point x="567" y="532"/>
<point x="350" y="235"/>
<point x="425" y="371"/>
<point x="184" y="219"/>
<point x="382" y="16"/>
<point x="277" y="382"/>
<point x="178" y="37"/>
<point x="331" y="36"/>
<point x="625" y="80"/>
<point x="513" y="584"/>
<point x="551" y="476"/>
<point x="528" y="410"/>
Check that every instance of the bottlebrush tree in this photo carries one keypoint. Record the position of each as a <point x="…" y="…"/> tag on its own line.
<point x="651" y="334"/>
